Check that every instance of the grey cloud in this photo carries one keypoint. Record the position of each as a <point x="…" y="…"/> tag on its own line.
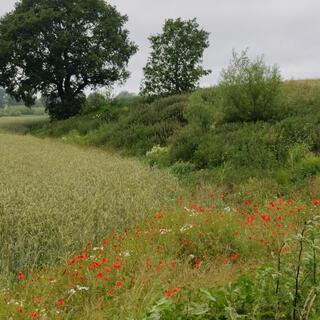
<point x="285" y="31"/>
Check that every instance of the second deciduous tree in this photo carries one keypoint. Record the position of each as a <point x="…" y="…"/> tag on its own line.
<point x="175" y="63"/>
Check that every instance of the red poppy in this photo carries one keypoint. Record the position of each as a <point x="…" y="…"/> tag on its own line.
<point x="61" y="302"/>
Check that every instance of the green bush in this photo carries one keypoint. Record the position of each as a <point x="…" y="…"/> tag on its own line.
<point x="282" y="177"/>
<point x="101" y="136"/>
<point x="84" y="127"/>
<point x="181" y="168"/>
<point x="315" y="136"/>
<point x="137" y="129"/>
<point x="307" y="168"/>
<point x="250" y="90"/>
<point x="242" y="145"/>
<point x="158" y="156"/>
<point x="202" y="109"/>
<point x="12" y="112"/>
<point x="185" y="143"/>
<point x="95" y="101"/>
<point x="130" y="101"/>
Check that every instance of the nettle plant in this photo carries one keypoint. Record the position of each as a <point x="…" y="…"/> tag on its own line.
<point x="287" y="288"/>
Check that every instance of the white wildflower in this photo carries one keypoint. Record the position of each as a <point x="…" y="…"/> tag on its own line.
<point x="163" y="231"/>
<point x="125" y="253"/>
<point x="97" y="248"/>
<point x="185" y="227"/>
<point x="82" y="288"/>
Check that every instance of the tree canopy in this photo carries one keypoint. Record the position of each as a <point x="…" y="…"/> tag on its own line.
<point x="58" y="48"/>
<point x="174" y="65"/>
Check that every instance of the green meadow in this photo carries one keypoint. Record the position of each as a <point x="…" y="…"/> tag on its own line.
<point x="137" y="210"/>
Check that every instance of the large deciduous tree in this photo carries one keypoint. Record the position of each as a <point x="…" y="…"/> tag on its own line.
<point x="60" y="47"/>
<point x="174" y="65"/>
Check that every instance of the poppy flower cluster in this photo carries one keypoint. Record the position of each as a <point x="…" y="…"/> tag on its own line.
<point x="164" y="243"/>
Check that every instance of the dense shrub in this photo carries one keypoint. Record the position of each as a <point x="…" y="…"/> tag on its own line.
<point x="315" y="136"/>
<point x="302" y="92"/>
<point x="242" y="146"/>
<point x="307" y="168"/>
<point x="250" y="90"/>
<point x="158" y="156"/>
<point x="95" y="101"/>
<point x="147" y="125"/>
<point x="185" y="143"/>
<point x="202" y="108"/>
<point x="130" y="101"/>
<point x="84" y="127"/>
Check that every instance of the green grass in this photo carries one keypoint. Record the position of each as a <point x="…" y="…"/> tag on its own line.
<point x="16" y="111"/>
<point x="172" y="238"/>
<point x="21" y="125"/>
<point x="170" y="254"/>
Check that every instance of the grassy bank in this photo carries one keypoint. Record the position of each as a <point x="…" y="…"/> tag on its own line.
<point x="21" y="125"/>
<point x="188" y="133"/>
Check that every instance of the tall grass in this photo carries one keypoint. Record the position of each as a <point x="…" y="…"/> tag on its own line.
<point x="55" y="197"/>
<point x="16" y="111"/>
<point x="148" y="270"/>
<point x="21" y="125"/>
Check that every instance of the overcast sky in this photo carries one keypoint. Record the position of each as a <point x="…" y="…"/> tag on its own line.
<point x="285" y="31"/>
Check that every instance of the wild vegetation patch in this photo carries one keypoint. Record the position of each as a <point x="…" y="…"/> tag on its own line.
<point x="167" y="259"/>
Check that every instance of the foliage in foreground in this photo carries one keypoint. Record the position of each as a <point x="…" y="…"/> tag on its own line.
<point x="170" y="251"/>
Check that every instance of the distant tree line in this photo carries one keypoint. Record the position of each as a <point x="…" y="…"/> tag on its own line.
<point x="7" y="100"/>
